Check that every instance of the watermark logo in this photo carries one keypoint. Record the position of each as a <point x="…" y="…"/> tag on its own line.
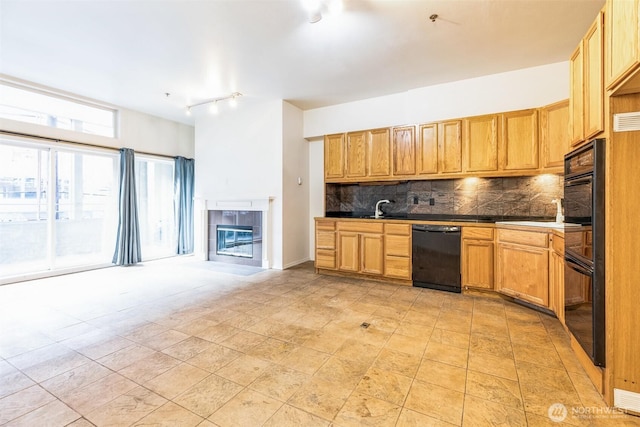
<point x="557" y="412"/>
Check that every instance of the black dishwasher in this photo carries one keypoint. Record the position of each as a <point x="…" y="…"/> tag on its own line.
<point x="436" y="257"/>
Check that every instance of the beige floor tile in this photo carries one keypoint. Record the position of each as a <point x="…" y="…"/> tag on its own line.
<point x="244" y="370"/>
<point x="165" y="339"/>
<point x="12" y="381"/>
<point x="352" y="349"/>
<point x="145" y="332"/>
<point x="171" y="383"/>
<point x="343" y="372"/>
<point x="126" y="409"/>
<point x="320" y="397"/>
<point x="92" y="396"/>
<point x="504" y="367"/>
<point x="103" y="348"/>
<point x="410" y="329"/>
<point x="214" y="357"/>
<point x="288" y="416"/>
<point x="247" y="408"/>
<point x="481" y="413"/>
<point x="185" y="350"/>
<point x="326" y="342"/>
<point x="149" y="367"/>
<point x="447" y="354"/>
<point x="272" y="350"/>
<point x="82" y="422"/>
<point x="442" y="374"/>
<point x="305" y="360"/>
<point x="538" y="355"/>
<point x="428" y="319"/>
<point x="55" y="366"/>
<point x="435" y="401"/>
<point x="124" y="357"/>
<point x="385" y="385"/>
<point x="396" y="361"/>
<point x="169" y="415"/>
<point x="208" y="395"/>
<point x="409" y="418"/>
<point x="81" y="376"/>
<point x="279" y="382"/>
<point x="490" y="345"/>
<point x="54" y="413"/>
<point x="23" y="402"/>
<point x="364" y="410"/>
<point x="243" y="341"/>
<point x="454" y="339"/>
<point x="406" y="344"/>
<point x="494" y="389"/>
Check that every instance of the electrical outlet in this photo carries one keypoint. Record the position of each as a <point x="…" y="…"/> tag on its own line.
<point x="432" y="201"/>
<point x="415" y="200"/>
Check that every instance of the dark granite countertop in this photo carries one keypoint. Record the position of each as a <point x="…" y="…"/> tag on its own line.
<point x="438" y="217"/>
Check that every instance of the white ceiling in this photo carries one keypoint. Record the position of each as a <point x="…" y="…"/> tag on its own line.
<point x="131" y="52"/>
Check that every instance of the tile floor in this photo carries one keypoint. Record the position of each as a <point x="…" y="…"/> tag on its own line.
<point x="172" y="343"/>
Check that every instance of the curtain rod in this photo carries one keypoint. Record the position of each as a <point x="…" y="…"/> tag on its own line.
<point x="84" y="144"/>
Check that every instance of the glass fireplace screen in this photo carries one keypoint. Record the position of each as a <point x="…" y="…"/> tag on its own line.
<point x="235" y="240"/>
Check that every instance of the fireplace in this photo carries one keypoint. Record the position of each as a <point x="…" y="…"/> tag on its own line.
<point x="234" y="240"/>
<point x="235" y="237"/>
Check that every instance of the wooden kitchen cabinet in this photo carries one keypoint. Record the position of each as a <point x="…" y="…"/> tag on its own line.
<point x="519" y="140"/>
<point x="556" y="276"/>
<point x="368" y="155"/>
<point x="576" y="95"/>
<point x="593" y="79"/>
<point x="356" y="155"/>
<point x="450" y="146"/>
<point x="522" y="265"/>
<point x="477" y="257"/>
<point x="379" y="157"/>
<point x="554" y="135"/>
<point x="333" y="157"/>
<point x="326" y="244"/>
<point x="360" y="247"/>
<point x="404" y="150"/>
<point x="427" y="149"/>
<point x="481" y="143"/>
<point x="397" y="251"/>
<point x="622" y="41"/>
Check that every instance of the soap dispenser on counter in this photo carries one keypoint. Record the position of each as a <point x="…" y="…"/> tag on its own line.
<point x="559" y="216"/>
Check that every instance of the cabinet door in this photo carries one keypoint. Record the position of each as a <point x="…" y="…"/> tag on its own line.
<point x="576" y="96"/>
<point x="556" y="285"/>
<point x="450" y="147"/>
<point x="334" y="156"/>
<point x="523" y="273"/>
<point x="554" y="134"/>
<point x="593" y="90"/>
<point x="379" y="153"/>
<point x="481" y="143"/>
<point x="428" y="149"/>
<point x="477" y="263"/>
<point x="519" y="143"/>
<point x="622" y="39"/>
<point x="348" y="251"/>
<point x="356" y="155"/>
<point x="404" y="151"/>
<point x="371" y="254"/>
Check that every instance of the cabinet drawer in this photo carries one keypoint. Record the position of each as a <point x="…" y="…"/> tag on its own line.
<point x="478" y="233"/>
<point x="397" y="245"/>
<point x="361" y="227"/>
<point x="557" y="243"/>
<point x="325" y="259"/>
<point x="325" y="239"/>
<point x="399" y="267"/>
<point x="399" y="229"/>
<point x="529" y="238"/>
<point x="326" y="225"/>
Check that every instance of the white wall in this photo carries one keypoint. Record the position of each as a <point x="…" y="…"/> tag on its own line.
<point x="513" y="90"/>
<point x="239" y="156"/>
<point x="527" y="88"/>
<point x="295" y="200"/>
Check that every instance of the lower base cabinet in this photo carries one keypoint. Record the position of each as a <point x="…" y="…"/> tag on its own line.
<point x="477" y="257"/>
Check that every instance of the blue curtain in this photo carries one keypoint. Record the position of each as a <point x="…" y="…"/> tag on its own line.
<point x="128" y="242"/>
<point x="183" y="203"/>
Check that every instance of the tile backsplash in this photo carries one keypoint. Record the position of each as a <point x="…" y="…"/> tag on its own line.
<point x="518" y="196"/>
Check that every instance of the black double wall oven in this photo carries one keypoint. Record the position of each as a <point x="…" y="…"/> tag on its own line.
<point x="584" y="204"/>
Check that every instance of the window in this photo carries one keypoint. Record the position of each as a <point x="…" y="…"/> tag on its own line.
<point x="154" y="181"/>
<point x="41" y="108"/>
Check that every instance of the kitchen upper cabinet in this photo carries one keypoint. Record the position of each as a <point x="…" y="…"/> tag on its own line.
<point x="379" y="153"/>
<point x="334" y="156"/>
<point x="576" y="100"/>
<point x="554" y="135"/>
<point x="356" y="155"/>
<point x="519" y="140"/>
<point x="404" y="150"/>
<point x="593" y="79"/>
<point x="481" y="143"/>
<point x="477" y="257"/>
<point x="622" y="41"/>
<point x="427" y="149"/>
<point x="450" y="146"/>
<point x="522" y="265"/>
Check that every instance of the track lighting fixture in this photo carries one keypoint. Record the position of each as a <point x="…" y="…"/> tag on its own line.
<point x="233" y="101"/>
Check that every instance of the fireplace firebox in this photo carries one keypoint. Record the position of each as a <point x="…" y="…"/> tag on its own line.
<point x="235" y="240"/>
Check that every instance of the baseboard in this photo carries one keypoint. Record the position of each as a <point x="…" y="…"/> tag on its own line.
<point x="294" y="263"/>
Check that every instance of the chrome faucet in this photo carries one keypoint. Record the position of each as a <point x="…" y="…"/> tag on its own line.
<point x="378" y="212"/>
